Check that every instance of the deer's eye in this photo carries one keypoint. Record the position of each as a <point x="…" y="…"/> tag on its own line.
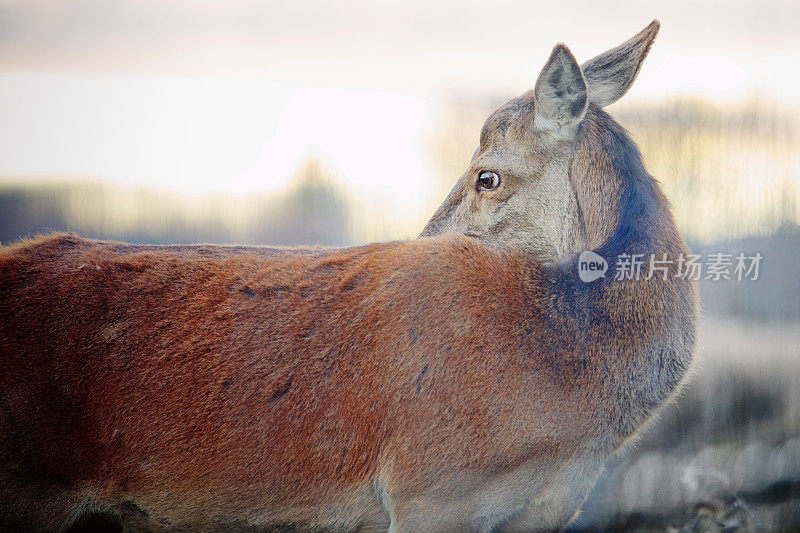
<point x="487" y="180"/>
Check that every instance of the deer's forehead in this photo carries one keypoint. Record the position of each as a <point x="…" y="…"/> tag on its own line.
<point x="512" y="120"/>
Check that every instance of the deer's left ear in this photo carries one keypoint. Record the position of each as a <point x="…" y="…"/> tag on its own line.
<point x="560" y="92"/>
<point x="611" y="74"/>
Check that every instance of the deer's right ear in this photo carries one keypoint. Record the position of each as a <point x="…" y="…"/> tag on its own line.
<point x="560" y="92"/>
<point x="611" y="74"/>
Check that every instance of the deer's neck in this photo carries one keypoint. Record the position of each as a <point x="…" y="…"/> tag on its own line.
<point x="631" y="335"/>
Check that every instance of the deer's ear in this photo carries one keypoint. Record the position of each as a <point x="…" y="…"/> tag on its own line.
<point x="611" y="74"/>
<point x="560" y="92"/>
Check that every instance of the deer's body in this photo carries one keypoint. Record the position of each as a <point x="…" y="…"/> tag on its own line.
<point x="440" y="384"/>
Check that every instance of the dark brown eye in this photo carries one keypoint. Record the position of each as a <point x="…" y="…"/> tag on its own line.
<point x="487" y="180"/>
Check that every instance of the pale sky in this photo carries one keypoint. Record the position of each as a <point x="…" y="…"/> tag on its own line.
<point x="232" y="95"/>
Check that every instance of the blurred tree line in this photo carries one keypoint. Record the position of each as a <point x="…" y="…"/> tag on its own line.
<point x="313" y="210"/>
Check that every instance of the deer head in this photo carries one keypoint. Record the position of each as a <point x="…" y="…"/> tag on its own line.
<point x="519" y="188"/>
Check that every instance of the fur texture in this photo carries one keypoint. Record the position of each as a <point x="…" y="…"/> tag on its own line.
<point x="435" y="382"/>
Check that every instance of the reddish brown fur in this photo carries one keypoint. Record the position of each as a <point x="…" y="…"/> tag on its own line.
<point x="239" y="388"/>
<point x="236" y="377"/>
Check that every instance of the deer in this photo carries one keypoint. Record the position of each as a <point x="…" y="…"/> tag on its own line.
<point x="465" y="380"/>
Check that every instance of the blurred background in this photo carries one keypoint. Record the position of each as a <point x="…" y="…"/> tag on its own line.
<point x="343" y="122"/>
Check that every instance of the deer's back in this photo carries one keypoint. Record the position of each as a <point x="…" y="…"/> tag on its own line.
<point x="234" y="378"/>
